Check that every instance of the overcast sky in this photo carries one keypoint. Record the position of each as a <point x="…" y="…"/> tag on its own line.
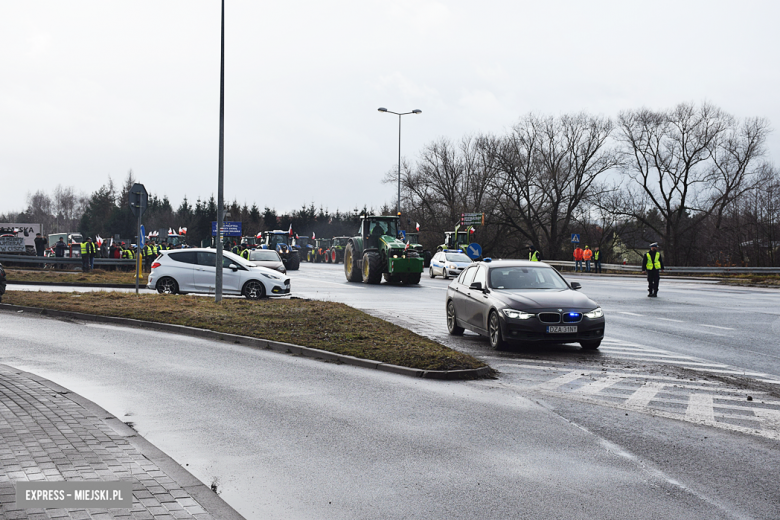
<point x="92" y="89"/>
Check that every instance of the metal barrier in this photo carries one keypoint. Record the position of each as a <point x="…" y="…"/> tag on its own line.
<point x="44" y="261"/>
<point x="671" y="269"/>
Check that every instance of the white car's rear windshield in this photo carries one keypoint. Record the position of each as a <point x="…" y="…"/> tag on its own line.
<point x="264" y="255"/>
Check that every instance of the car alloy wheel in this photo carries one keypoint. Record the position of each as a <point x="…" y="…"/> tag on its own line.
<point x="494" y="331"/>
<point x="254" y="290"/>
<point x="167" y="285"/>
<point x="452" y="323"/>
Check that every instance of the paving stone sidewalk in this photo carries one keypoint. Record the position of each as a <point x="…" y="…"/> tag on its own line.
<point x="47" y="433"/>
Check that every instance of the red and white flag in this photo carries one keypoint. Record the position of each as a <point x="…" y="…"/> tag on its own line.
<point x="290" y="230"/>
<point x="99" y="241"/>
<point x="313" y="236"/>
<point x="418" y="226"/>
<point x="472" y="230"/>
<point x="170" y="232"/>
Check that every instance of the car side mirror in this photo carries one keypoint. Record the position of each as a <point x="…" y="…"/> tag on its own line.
<point x="477" y="286"/>
<point x="576" y="286"/>
<point x="234" y="267"/>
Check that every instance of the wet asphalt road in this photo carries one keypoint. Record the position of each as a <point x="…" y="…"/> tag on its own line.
<point x="559" y="434"/>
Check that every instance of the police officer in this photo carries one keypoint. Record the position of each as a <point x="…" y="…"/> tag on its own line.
<point x="533" y="254"/>
<point x="596" y="260"/>
<point x="244" y="251"/>
<point x="148" y="253"/>
<point x="653" y="265"/>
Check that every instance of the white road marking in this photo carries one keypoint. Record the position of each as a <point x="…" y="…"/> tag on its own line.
<point x="700" y="409"/>
<point x="770" y="419"/>
<point x="561" y="380"/>
<point x="629" y="313"/>
<point x="644" y="394"/>
<point x="716" y="327"/>
<point x="669" y="319"/>
<point x="599" y="385"/>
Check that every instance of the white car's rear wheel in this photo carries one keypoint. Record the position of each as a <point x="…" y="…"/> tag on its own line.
<point x="167" y="285"/>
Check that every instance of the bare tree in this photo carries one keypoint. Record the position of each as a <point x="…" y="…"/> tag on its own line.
<point x="685" y="163"/>
<point x="546" y="169"/>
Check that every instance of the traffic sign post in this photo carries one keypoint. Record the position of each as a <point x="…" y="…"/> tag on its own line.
<point x="139" y="199"/>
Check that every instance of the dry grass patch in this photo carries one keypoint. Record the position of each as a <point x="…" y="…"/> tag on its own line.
<point x="330" y="326"/>
<point x="74" y="277"/>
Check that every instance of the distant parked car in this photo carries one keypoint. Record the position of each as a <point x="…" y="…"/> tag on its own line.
<point x="522" y="301"/>
<point x="194" y="271"/>
<point x="450" y="262"/>
<point x="267" y="258"/>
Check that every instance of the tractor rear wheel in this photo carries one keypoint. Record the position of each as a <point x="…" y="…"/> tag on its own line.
<point x="351" y="269"/>
<point x="334" y="257"/>
<point x="372" y="267"/>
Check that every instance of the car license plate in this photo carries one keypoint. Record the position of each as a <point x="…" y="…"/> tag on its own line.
<point x="562" y="329"/>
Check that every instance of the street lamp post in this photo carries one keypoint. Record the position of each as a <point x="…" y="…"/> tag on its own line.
<point x="415" y="111"/>
<point x="221" y="179"/>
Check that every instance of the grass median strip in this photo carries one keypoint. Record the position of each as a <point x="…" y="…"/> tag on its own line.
<point x="329" y="326"/>
<point x="74" y="277"/>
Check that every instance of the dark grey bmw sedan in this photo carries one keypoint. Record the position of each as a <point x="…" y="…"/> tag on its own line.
<point x="522" y="301"/>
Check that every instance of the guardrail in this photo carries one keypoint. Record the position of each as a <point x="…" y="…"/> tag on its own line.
<point x="672" y="269"/>
<point x="45" y="261"/>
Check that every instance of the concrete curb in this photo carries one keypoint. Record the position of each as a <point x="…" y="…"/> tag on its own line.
<point x="208" y="499"/>
<point x="264" y="344"/>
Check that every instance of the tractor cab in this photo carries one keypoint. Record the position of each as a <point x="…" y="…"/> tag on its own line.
<point x="373" y="228"/>
<point x="456" y="239"/>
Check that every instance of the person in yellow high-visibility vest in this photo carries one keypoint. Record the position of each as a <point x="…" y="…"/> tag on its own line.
<point x="653" y="265"/>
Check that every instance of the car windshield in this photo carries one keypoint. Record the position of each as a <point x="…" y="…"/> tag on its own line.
<point x="230" y="258"/>
<point x="457" y="257"/>
<point x="526" y="278"/>
<point x="264" y="255"/>
<point x="273" y="240"/>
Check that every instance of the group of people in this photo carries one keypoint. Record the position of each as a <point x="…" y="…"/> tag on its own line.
<point x="652" y="264"/>
<point x="586" y="255"/>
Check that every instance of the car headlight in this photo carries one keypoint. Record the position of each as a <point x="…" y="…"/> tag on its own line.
<point x="517" y="315"/>
<point x="273" y="277"/>
<point x="595" y="313"/>
<point x="452" y="266"/>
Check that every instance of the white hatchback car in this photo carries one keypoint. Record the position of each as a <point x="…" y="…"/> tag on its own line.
<point x="449" y="262"/>
<point x="194" y="270"/>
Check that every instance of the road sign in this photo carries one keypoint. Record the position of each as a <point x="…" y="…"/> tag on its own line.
<point x="474" y="251"/>
<point x="138" y="199"/>
<point x="142" y="238"/>
<point x="229" y="229"/>
<point x="472" y="219"/>
<point x="575" y="238"/>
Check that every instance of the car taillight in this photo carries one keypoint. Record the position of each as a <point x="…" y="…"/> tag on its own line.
<point x="156" y="264"/>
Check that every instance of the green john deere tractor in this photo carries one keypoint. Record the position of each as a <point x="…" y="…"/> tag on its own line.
<point x="413" y="239"/>
<point x="456" y="239"/>
<point x="336" y="253"/>
<point x="320" y="251"/>
<point x="376" y="253"/>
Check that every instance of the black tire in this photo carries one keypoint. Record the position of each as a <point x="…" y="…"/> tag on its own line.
<point x="167" y="285"/>
<point x="412" y="278"/>
<point x="394" y="279"/>
<point x="430" y="272"/>
<point x="427" y="258"/>
<point x="445" y="274"/>
<point x="452" y="323"/>
<point x="372" y="267"/>
<point x="351" y="270"/>
<point x="253" y="290"/>
<point x="494" y="331"/>
<point x="334" y="256"/>
<point x="294" y="262"/>
<point x="590" y="345"/>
